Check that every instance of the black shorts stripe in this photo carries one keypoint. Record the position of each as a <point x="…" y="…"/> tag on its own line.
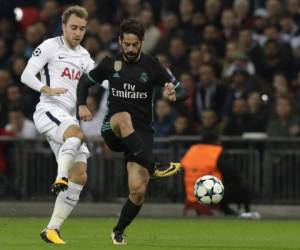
<point x="52" y="118"/>
<point x="47" y="74"/>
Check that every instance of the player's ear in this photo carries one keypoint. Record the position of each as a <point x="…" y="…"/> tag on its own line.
<point x="63" y="27"/>
<point x="120" y="40"/>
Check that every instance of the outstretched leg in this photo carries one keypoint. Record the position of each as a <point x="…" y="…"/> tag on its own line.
<point x="121" y="124"/>
<point x="73" y="138"/>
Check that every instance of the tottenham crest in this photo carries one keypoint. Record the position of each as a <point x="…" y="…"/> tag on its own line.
<point x="118" y="65"/>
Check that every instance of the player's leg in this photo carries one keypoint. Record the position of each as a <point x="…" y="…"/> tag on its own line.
<point x="138" y="178"/>
<point x="121" y="125"/>
<point x="72" y="140"/>
<point x="67" y="200"/>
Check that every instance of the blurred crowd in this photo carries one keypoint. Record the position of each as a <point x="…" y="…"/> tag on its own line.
<point x="239" y="61"/>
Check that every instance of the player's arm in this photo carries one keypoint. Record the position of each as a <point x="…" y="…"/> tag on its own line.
<point x="172" y="88"/>
<point x="96" y="75"/>
<point x="173" y="92"/>
<point x="37" y="61"/>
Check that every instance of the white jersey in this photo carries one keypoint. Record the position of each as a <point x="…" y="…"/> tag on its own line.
<point x="61" y="67"/>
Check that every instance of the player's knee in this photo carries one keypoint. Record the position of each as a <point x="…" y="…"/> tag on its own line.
<point x="78" y="177"/>
<point x="124" y="120"/>
<point x="138" y="193"/>
<point x="74" y="131"/>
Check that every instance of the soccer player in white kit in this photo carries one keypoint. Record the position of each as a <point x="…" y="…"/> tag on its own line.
<point x="61" y="61"/>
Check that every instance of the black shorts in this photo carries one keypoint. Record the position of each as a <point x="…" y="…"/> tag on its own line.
<point x="115" y="143"/>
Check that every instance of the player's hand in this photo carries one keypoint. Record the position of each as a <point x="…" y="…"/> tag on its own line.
<point x="169" y="92"/>
<point x="84" y="113"/>
<point x="53" y="91"/>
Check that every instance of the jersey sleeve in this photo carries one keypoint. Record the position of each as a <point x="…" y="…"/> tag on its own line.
<point x="42" y="54"/>
<point x="90" y="66"/>
<point x="164" y="75"/>
<point x="101" y="71"/>
<point x="40" y="57"/>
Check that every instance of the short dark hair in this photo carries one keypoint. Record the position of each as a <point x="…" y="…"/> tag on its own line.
<point x="76" y="10"/>
<point x="132" y="26"/>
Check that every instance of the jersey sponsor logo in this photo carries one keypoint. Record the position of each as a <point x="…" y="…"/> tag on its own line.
<point x="61" y="57"/>
<point x="144" y="77"/>
<point x="118" y="65"/>
<point x="129" y="92"/>
<point x="71" y="74"/>
<point x="36" y="52"/>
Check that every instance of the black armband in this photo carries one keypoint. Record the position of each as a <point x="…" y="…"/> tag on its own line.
<point x="84" y="84"/>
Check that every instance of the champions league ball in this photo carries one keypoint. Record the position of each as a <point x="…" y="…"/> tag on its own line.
<point x="208" y="190"/>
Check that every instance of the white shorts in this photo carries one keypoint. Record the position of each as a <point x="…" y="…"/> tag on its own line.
<point x="52" y="122"/>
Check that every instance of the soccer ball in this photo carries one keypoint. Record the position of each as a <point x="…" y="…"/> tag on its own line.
<point x="208" y="190"/>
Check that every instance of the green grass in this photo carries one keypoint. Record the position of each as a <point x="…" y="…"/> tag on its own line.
<point x="162" y="234"/>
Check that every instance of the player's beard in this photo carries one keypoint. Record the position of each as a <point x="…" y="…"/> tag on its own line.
<point x="131" y="57"/>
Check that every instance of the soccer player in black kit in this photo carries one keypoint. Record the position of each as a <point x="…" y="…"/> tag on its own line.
<point x="132" y="77"/>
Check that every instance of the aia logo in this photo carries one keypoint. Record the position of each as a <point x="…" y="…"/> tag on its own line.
<point x="71" y="74"/>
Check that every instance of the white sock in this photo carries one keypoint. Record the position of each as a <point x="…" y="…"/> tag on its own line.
<point x="64" y="205"/>
<point x="67" y="154"/>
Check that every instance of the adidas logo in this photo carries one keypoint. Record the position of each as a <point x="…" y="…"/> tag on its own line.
<point x="116" y="75"/>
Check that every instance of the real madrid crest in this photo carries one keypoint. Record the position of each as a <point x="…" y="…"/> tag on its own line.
<point x="118" y="65"/>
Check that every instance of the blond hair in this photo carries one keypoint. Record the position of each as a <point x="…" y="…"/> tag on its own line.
<point x="76" y="10"/>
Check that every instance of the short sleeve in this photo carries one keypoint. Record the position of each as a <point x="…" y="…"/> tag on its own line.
<point x="90" y="66"/>
<point x="101" y="71"/>
<point x="42" y="54"/>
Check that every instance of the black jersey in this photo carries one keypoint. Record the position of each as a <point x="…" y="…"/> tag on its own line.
<point x="131" y="85"/>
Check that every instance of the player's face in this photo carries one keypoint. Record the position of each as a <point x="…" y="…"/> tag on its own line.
<point x="131" y="47"/>
<point x="74" y="30"/>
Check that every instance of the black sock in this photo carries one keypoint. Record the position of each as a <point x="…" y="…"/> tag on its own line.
<point x="138" y="149"/>
<point x="128" y="213"/>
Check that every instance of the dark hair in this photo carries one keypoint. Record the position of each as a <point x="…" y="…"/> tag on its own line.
<point x="132" y="26"/>
<point x="76" y="10"/>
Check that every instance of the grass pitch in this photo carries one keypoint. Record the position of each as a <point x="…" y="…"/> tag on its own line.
<point x="162" y="234"/>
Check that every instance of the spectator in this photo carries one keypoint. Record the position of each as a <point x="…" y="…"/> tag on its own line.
<point x="182" y="126"/>
<point x="240" y="62"/>
<point x="249" y="46"/>
<point x="195" y="61"/>
<point x="15" y="98"/>
<point x="50" y="16"/>
<point x="273" y="62"/>
<point x="274" y="9"/>
<point x="212" y="12"/>
<point x="258" y="112"/>
<point x="210" y="94"/>
<point x="239" y="122"/>
<point x="108" y="38"/>
<point x="209" y="124"/>
<point x="3" y="54"/>
<point x="177" y="55"/>
<point x="170" y="29"/>
<point x="284" y="122"/>
<point x="165" y="118"/>
<point x="293" y="8"/>
<point x="229" y="25"/>
<point x="188" y="83"/>
<point x="152" y="33"/>
<point x="242" y="12"/>
<point x="20" y="126"/>
<point x="261" y="21"/>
